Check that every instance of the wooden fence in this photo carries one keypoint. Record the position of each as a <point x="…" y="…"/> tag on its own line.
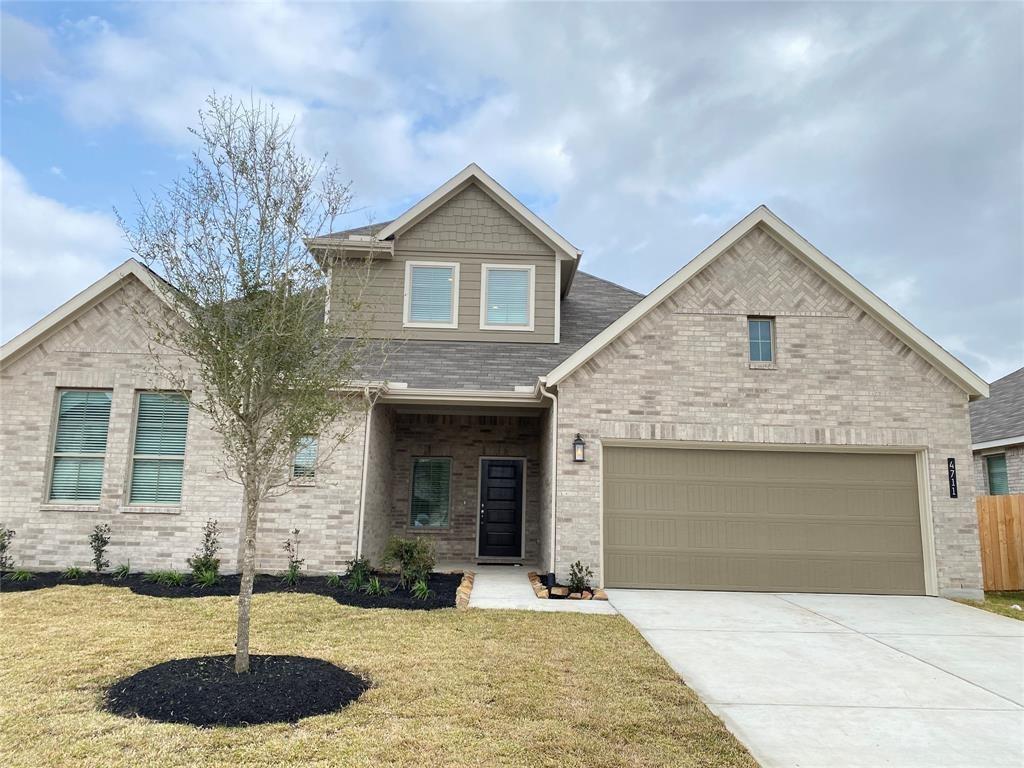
<point x="1001" y="528"/>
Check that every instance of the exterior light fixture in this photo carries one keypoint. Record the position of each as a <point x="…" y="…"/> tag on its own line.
<point x="579" y="448"/>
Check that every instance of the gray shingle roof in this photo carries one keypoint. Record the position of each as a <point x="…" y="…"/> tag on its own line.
<point x="1001" y="415"/>
<point x="368" y="229"/>
<point x="591" y="306"/>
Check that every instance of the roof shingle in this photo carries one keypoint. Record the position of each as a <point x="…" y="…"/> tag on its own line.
<point x="1001" y="415"/>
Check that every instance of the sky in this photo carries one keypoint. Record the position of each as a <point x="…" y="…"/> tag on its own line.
<point x="891" y="136"/>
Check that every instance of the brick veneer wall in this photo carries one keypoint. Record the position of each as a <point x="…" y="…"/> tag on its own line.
<point x="465" y="439"/>
<point x="1014" y="469"/>
<point x="379" y="470"/>
<point x="682" y="373"/>
<point x="105" y="348"/>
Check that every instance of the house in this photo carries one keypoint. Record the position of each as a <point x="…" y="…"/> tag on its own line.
<point x="760" y="421"/>
<point x="997" y="437"/>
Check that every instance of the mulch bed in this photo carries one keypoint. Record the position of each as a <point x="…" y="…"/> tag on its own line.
<point x="443" y="585"/>
<point x="205" y="691"/>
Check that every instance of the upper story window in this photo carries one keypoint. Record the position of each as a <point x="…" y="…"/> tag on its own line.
<point x="431" y="294"/>
<point x="762" y="339"/>
<point x="158" y="457"/>
<point x="304" y="461"/>
<point x="80" y="445"/>
<point x="506" y="297"/>
<point x="998" y="482"/>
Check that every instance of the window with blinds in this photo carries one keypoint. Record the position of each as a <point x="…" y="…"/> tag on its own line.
<point x="432" y="290"/>
<point x="431" y="493"/>
<point x="80" y="445"/>
<point x="158" y="458"/>
<point x="761" y="342"/>
<point x="304" y="463"/>
<point x="507" y="297"/>
<point x="998" y="482"/>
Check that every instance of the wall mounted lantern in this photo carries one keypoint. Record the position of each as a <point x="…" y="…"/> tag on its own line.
<point x="579" y="448"/>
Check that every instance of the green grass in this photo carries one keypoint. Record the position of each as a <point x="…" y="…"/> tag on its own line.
<point x="1001" y="602"/>
<point x="450" y="688"/>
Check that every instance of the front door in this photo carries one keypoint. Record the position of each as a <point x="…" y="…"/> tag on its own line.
<point x="501" y="507"/>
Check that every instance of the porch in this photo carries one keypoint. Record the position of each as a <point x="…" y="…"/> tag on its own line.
<point x="473" y="480"/>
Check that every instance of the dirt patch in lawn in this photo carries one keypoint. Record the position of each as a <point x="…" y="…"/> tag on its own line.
<point x="443" y="587"/>
<point x="205" y="691"/>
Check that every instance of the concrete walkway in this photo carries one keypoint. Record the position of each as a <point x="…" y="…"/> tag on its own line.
<point x="846" y="680"/>
<point x="506" y="586"/>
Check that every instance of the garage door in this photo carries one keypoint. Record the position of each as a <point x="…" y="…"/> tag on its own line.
<point x="762" y="520"/>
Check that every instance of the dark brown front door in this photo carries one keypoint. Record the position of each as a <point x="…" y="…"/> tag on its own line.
<point x="501" y="507"/>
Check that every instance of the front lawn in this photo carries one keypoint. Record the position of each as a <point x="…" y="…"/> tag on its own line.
<point x="450" y="688"/>
<point x="1001" y="603"/>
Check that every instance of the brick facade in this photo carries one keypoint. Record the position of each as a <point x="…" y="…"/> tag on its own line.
<point x="682" y="373"/>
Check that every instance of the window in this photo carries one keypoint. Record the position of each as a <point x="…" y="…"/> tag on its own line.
<point x="998" y="484"/>
<point x="431" y="486"/>
<point x="431" y="294"/>
<point x="762" y="331"/>
<point x="80" y="445"/>
<point x="506" y="297"/>
<point x="304" y="463"/>
<point x="158" y="458"/>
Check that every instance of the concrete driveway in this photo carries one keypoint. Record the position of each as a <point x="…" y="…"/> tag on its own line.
<point x="846" y="680"/>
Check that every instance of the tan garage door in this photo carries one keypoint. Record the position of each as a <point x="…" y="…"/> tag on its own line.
<point x="762" y="520"/>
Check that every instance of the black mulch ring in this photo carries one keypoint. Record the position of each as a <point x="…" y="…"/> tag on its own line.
<point x="205" y="691"/>
<point x="443" y="586"/>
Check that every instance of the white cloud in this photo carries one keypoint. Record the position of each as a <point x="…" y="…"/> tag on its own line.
<point x="48" y="252"/>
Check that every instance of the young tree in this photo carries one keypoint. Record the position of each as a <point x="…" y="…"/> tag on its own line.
<point x="245" y="337"/>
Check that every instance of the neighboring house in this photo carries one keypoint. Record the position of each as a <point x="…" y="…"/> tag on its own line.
<point x="759" y="421"/>
<point x="997" y="437"/>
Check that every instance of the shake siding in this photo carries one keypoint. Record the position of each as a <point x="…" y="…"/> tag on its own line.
<point x="682" y="374"/>
<point x="472" y="230"/>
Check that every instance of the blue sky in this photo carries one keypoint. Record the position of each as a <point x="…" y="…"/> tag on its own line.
<point x="889" y="135"/>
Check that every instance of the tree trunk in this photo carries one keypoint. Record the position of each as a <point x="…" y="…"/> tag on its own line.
<point x="248" y="576"/>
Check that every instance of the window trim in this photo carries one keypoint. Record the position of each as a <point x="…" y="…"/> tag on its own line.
<point x="137" y="505"/>
<point x="531" y="299"/>
<point x="988" y="473"/>
<point x="772" y="345"/>
<point x="49" y="501"/>
<point x="407" y="298"/>
<point x="412" y="487"/>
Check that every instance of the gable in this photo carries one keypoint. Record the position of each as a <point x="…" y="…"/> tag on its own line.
<point x="472" y="221"/>
<point x="821" y="282"/>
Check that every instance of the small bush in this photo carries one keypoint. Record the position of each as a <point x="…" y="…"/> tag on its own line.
<point x="165" y="578"/>
<point x="413" y="557"/>
<point x="73" y="573"/>
<point x="6" y="559"/>
<point x="99" y="539"/>
<point x="421" y="591"/>
<point x="19" y="575"/>
<point x="579" y="577"/>
<point x="206" y="559"/>
<point x="205" y="579"/>
<point x="360" y="569"/>
<point x="122" y="571"/>
<point x="374" y="588"/>
<point x="333" y="580"/>
<point x="356" y="581"/>
<point x="291" y="546"/>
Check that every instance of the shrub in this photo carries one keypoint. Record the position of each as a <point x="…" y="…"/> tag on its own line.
<point x="165" y="578"/>
<point x="291" y="546"/>
<point x="333" y="580"/>
<point x="359" y="568"/>
<point x="19" y="575"/>
<point x="374" y="588"/>
<point x="73" y="573"/>
<point x="122" y="571"/>
<point x="206" y="558"/>
<point x="421" y="591"/>
<point x="579" y="577"/>
<point x="414" y="558"/>
<point x="6" y="560"/>
<point x="204" y="579"/>
<point x="357" y="581"/>
<point x="99" y="539"/>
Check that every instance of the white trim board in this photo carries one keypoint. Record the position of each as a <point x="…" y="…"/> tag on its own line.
<point x="82" y="301"/>
<point x="455" y="184"/>
<point x="952" y="368"/>
<point x="1000" y="443"/>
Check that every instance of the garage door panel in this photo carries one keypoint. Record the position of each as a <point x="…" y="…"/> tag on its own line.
<point x="768" y="520"/>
